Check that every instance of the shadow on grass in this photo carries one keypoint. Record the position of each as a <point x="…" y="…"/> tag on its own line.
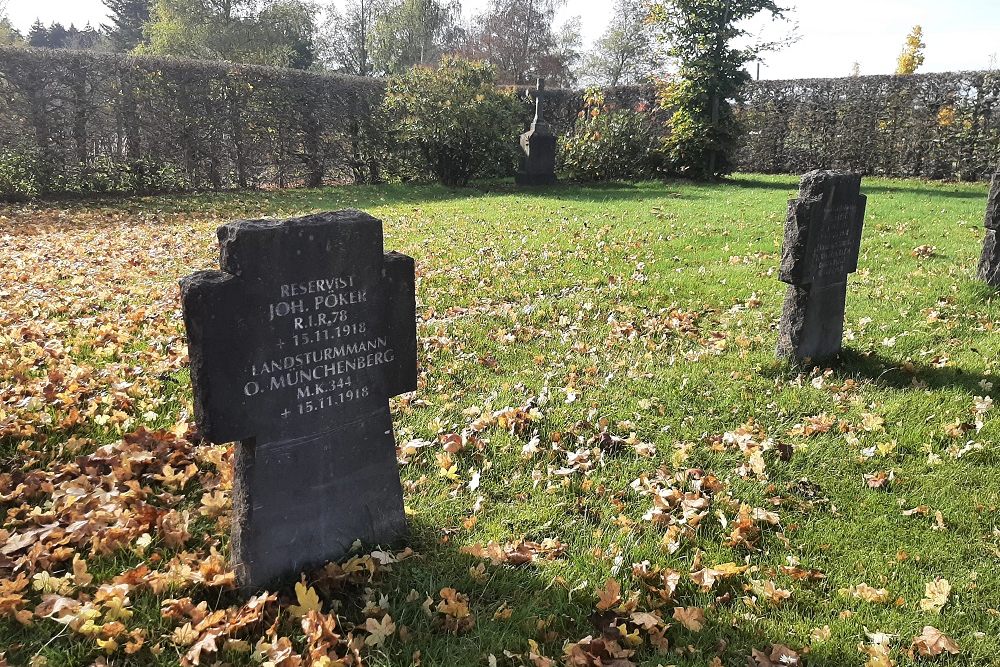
<point x="888" y="373"/>
<point x="616" y="191"/>
<point x="544" y="608"/>
<point x="420" y="192"/>
<point x="932" y="189"/>
<point x="283" y="203"/>
<point x="937" y="190"/>
<point x="981" y="292"/>
<point x="264" y="200"/>
<point x="306" y="199"/>
<point x="751" y="183"/>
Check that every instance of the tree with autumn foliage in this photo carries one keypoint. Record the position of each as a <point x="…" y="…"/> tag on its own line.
<point x="703" y="35"/>
<point x="912" y="56"/>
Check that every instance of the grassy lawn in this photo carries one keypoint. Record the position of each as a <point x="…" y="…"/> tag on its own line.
<point x="599" y="398"/>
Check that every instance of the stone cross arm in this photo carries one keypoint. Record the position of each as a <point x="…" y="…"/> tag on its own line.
<point x="540" y="102"/>
<point x="821" y="248"/>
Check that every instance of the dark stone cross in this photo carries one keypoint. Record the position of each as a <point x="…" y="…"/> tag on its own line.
<point x="989" y="264"/>
<point x="821" y="248"/>
<point x="296" y="346"/>
<point x="538" y="164"/>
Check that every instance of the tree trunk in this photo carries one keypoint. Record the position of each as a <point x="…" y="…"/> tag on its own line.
<point x="720" y="44"/>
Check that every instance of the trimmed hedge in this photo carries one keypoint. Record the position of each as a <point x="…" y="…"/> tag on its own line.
<point x="87" y="122"/>
<point x="83" y="122"/>
<point x="938" y="126"/>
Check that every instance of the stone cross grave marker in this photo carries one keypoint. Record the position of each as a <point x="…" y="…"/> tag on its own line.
<point x="296" y="346"/>
<point x="989" y="265"/>
<point x="821" y="247"/>
<point x="538" y="164"/>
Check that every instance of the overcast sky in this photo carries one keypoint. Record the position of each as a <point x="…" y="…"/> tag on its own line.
<point x="960" y="34"/>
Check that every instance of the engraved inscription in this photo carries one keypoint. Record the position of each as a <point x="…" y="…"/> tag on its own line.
<point x="834" y="252"/>
<point x="330" y="347"/>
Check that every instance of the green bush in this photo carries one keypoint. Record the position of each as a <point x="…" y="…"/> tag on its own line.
<point x="609" y="143"/>
<point x="455" y="119"/>
<point x="19" y="175"/>
<point x="694" y="146"/>
<point x="108" y="176"/>
<point x="26" y="175"/>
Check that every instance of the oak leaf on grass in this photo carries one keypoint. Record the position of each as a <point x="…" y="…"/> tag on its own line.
<point x="692" y="618"/>
<point x="609" y="596"/>
<point x="932" y="643"/>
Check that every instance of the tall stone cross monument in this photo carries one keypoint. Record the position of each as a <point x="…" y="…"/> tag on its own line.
<point x="538" y="164"/>
<point x="296" y="346"/>
<point x="989" y="264"/>
<point x="821" y="248"/>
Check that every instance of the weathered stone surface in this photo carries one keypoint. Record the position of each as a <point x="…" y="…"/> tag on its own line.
<point x="993" y="204"/>
<point x="823" y="230"/>
<point x="296" y="346"/>
<point x="809" y="326"/>
<point x="821" y="247"/>
<point x="989" y="264"/>
<point x="303" y="502"/>
<point x="538" y="164"/>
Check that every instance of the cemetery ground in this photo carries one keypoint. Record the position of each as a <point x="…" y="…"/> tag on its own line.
<point x="604" y="460"/>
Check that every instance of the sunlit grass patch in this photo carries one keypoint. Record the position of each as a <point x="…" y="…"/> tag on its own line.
<point x="599" y="401"/>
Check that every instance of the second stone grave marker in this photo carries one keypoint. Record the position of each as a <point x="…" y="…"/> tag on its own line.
<point x="538" y="144"/>
<point x="296" y="346"/>
<point x="821" y="248"/>
<point x="989" y="264"/>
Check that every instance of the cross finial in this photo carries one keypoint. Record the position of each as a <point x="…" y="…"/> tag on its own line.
<point x="539" y="107"/>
